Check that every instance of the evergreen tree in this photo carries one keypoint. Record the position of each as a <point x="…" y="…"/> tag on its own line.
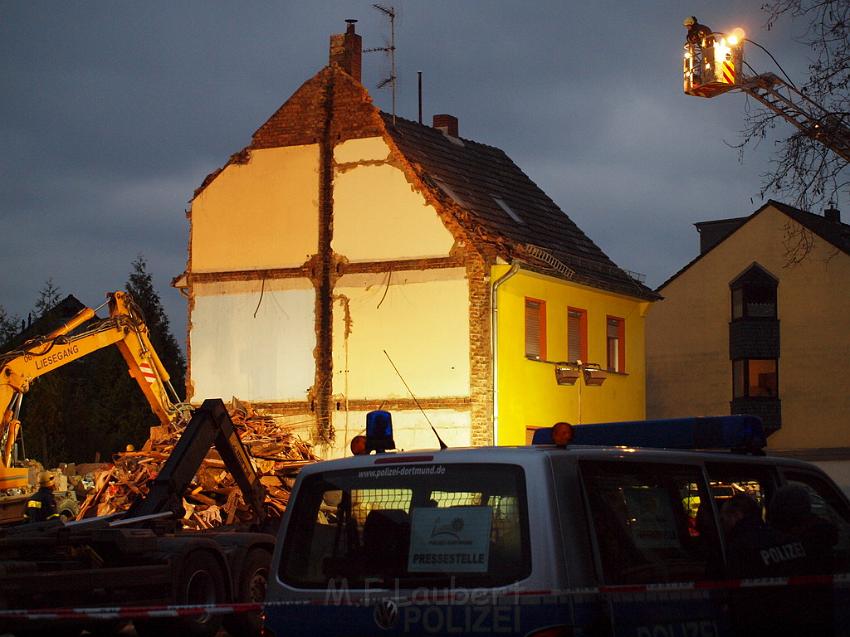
<point x="48" y="297"/>
<point x="140" y="287"/>
<point x="9" y="327"/>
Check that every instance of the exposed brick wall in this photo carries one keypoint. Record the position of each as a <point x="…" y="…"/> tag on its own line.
<point x="354" y="117"/>
<point x="301" y="120"/>
<point x="346" y="49"/>
<point x="188" y="387"/>
<point x="480" y="345"/>
<point x="322" y="386"/>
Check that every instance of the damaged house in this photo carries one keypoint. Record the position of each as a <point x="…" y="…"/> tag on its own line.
<point x="346" y="261"/>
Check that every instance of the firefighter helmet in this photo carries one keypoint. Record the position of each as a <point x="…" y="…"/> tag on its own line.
<point x="690" y="21"/>
<point x="46" y="479"/>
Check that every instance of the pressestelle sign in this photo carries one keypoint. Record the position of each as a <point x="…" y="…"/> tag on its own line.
<point x="455" y="540"/>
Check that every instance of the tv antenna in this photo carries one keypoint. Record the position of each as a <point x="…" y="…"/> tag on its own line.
<point x="391" y="80"/>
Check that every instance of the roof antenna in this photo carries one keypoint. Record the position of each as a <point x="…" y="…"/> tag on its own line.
<point x="390" y="13"/>
<point x="443" y="445"/>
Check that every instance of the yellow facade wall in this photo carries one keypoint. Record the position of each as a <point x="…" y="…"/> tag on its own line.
<point x="258" y="215"/>
<point x="688" y="335"/>
<point x="397" y="223"/>
<point x="528" y="395"/>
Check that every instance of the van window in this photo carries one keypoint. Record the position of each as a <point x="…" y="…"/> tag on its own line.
<point x="409" y="526"/>
<point x="650" y="522"/>
<point x="828" y="529"/>
<point x="729" y="479"/>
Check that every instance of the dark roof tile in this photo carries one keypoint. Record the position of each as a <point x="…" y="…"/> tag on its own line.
<point x="475" y="174"/>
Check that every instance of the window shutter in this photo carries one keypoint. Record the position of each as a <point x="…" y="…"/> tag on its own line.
<point x="573" y="335"/>
<point x="533" y="329"/>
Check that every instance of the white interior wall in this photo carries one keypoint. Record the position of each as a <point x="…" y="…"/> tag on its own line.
<point x="261" y="214"/>
<point x="253" y="343"/>
<point x="421" y="319"/>
<point x="397" y="224"/>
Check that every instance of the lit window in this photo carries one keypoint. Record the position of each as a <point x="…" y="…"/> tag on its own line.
<point x="755" y="378"/>
<point x="754" y="295"/>
<point x="576" y="335"/>
<point x="535" y="329"/>
<point x="616" y="339"/>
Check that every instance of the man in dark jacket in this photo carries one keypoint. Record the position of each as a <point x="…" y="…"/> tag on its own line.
<point x="754" y="550"/>
<point x="790" y="513"/>
<point x="42" y="505"/>
<point x="696" y="31"/>
<point x="698" y="36"/>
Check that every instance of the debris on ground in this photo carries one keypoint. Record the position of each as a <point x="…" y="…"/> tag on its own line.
<point x="214" y="498"/>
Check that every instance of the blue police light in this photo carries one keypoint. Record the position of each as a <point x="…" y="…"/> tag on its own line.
<point x="737" y="433"/>
<point x="379" y="431"/>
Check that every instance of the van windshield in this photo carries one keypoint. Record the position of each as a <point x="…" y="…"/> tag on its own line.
<point x="409" y="526"/>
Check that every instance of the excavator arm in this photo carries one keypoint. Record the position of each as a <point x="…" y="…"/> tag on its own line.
<point x="210" y="426"/>
<point x="124" y="328"/>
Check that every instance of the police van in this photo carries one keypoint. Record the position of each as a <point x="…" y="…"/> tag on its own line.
<point x="605" y="529"/>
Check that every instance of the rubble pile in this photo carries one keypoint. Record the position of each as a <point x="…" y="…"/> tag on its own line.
<point x="213" y="498"/>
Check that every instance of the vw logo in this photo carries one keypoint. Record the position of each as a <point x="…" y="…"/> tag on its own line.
<point x="386" y="614"/>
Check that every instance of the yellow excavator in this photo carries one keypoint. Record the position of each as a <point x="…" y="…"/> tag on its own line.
<point x="125" y="328"/>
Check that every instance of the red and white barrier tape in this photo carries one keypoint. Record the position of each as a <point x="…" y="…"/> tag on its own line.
<point x="501" y="597"/>
<point x="128" y="612"/>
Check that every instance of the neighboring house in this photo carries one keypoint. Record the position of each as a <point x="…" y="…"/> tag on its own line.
<point x="348" y="260"/>
<point x="759" y="323"/>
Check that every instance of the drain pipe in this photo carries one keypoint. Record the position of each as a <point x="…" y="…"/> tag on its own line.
<point x="494" y="342"/>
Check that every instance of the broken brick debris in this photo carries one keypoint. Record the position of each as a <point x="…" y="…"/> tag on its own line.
<point x="213" y="499"/>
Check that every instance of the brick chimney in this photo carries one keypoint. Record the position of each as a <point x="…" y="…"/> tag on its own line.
<point x="347" y="50"/>
<point x="832" y="214"/>
<point x="446" y="123"/>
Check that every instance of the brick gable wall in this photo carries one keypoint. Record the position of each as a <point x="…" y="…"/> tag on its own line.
<point x="302" y="119"/>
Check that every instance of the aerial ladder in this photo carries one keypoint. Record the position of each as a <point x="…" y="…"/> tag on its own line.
<point x="125" y="328"/>
<point x="713" y="64"/>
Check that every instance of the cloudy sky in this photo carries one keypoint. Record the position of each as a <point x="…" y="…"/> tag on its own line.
<point x="113" y="112"/>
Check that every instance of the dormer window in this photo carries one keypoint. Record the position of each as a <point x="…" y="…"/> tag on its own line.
<point x="508" y="210"/>
<point x="754" y="295"/>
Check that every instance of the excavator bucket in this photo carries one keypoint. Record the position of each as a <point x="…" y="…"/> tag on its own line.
<point x="714" y="66"/>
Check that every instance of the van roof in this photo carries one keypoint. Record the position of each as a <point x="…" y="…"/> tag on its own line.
<point x="527" y="454"/>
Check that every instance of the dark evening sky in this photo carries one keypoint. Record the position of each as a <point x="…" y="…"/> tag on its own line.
<point x="114" y="112"/>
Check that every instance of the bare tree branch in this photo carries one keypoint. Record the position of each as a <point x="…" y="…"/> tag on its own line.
<point x="803" y="170"/>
